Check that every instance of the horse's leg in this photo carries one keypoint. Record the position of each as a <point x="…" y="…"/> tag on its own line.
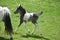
<point x="39" y="28"/>
<point x="34" y="28"/>
<point x="8" y="25"/>
<point x="19" y="25"/>
<point x="25" y="26"/>
<point x="11" y="36"/>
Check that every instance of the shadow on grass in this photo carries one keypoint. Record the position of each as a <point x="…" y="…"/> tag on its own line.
<point x="1" y="38"/>
<point x="35" y="36"/>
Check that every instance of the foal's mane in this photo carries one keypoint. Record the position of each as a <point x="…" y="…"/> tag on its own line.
<point x="22" y="9"/>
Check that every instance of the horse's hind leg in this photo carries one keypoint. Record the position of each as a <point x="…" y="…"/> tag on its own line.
<point x="26" y="29"/>
<point x="39" y="28"/>
<point x="11" y="36"/>
<point x="8" y="25"/>
<point x="18" y="26"/>
<point x="34" y="27"/>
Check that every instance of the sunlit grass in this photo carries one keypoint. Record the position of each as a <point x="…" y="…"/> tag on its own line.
<point x="49" y="21"/>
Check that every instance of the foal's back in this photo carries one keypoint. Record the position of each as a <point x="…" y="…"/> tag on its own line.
<point x="27" y="16"/>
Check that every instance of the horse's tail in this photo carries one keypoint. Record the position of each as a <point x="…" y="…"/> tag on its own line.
<point x="40" y="13"/>
<point x="8" y="25"/>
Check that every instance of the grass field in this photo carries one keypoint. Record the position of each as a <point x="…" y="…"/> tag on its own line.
<point x="49" y="21"/>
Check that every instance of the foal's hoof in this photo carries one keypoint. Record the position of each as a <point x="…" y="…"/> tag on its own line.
<point x="41" y="34"/>
<point x="28" y="31"/>
<point x="15" y="33"/>
<point x="11" y="38"/>
<point x="32" y="33"/>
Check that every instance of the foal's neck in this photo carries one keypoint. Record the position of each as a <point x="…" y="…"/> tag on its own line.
<point x="22" y="15"/>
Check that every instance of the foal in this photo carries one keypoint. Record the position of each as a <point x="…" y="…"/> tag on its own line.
<point x="25" y="17"/>
<point x="5" y="17"/>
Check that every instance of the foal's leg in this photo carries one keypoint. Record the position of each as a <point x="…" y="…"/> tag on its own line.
<point x="26" y="29"/>
<point x="19" y="26"/>
<point x="34" y="28"/>
<point x="39" y="28"/>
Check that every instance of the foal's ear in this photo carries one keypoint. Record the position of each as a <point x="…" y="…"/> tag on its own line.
<point x="20" y="5"/>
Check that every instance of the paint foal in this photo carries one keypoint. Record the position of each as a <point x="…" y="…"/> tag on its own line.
<point x="5" y="17"/>
<point x="25" y="17"/>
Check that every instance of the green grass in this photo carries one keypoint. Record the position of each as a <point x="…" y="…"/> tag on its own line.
<point x="49" y="21"/>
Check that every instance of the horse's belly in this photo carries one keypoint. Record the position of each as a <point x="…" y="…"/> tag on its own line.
<point x="27" y="17"/>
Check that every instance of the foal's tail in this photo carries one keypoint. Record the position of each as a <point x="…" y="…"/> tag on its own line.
<point x="40" y="13"/>
<point x="8" y="25"/>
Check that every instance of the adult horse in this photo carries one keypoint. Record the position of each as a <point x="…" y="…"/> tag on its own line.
<point x="25" y="17"/>
<point x="5" y="17"/>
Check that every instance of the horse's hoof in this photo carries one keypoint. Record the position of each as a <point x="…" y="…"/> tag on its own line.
<point x="11" y="38"/>
<point x="32" y="33"/>
<point x="15" y="31"/>
<point x="41" y="34"/>
<point x="28" y="31"/>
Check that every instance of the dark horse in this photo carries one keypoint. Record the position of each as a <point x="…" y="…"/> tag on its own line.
<point x="25" y="16"/>
<point x="5" y="17"/>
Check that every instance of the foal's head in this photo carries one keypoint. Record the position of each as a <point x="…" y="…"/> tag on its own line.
<point x="20" y="9"/>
